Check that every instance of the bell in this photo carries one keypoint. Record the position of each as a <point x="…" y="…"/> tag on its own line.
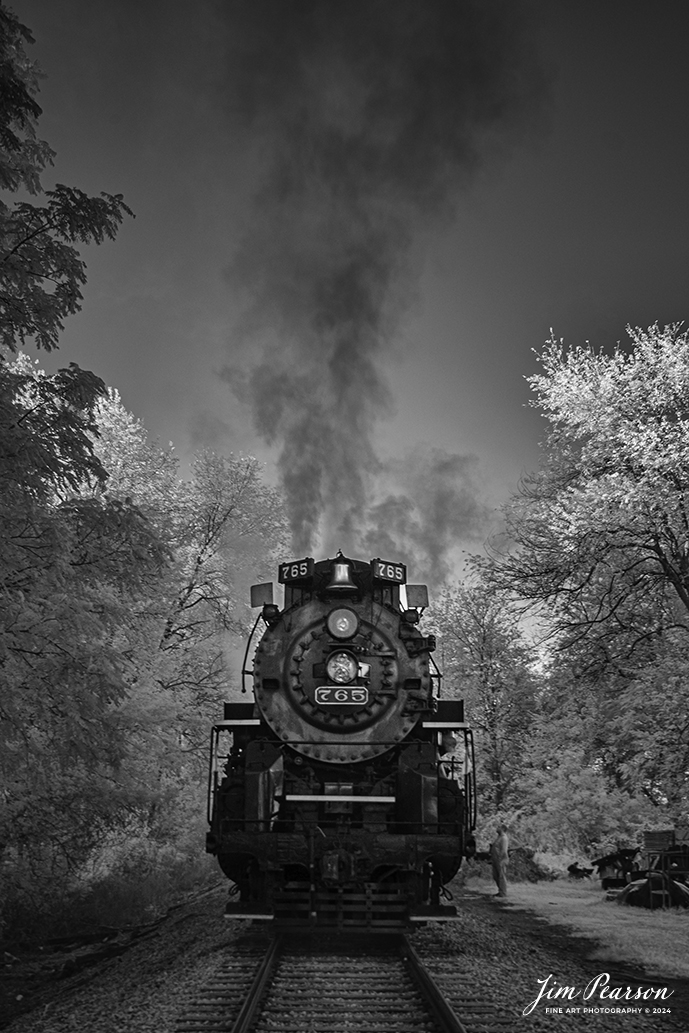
<point x="341" y="580"/>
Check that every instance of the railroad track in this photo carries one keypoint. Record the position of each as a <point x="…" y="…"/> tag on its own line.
<point x="313" y="985"/>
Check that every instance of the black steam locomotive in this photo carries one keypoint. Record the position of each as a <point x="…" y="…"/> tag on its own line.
<point x="344" y="795"/>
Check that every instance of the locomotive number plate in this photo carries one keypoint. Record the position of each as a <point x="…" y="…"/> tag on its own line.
<point x="336" y="695"/>
<point x="295" y="571"/>
<point x="395" y="572"/>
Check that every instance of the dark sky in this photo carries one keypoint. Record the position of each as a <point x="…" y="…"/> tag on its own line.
<point x="569" y="211"/>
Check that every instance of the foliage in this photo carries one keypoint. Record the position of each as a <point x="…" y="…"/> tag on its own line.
<point x="120" y="585"/>
<point x="597" y="542"/>
<point x="71" y="571"/>
<point x="22" y="156"/>
<point x="488" y="661"/>
<point x="569" y="799"/>
<point x="601" y="533"/>
<point x="41" y="271"/>
<point x="45" y="423"/>
<point x="118" y="581"/>
<point x="222" y="528"/>
<point x="608" y="756"/>
<point x="650" y="730"/>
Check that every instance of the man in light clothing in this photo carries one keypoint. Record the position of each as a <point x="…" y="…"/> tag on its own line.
<point x="500" y="856"/>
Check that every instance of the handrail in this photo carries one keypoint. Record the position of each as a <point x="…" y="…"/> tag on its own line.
<point x="246" y="651"/>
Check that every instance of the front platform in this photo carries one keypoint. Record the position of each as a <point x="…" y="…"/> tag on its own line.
<point x="373" y="907"/>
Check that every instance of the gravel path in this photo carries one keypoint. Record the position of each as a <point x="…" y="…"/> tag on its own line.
<point x="501" y="951"/>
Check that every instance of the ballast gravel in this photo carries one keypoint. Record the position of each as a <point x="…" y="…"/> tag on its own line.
<point x="500" y="953"/>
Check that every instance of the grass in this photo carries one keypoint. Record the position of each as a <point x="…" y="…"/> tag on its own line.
<point x="135" y="894"/>
<point x="658" y="941"/>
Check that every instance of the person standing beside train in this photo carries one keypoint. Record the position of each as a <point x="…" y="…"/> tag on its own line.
<point x="500" y="856"/>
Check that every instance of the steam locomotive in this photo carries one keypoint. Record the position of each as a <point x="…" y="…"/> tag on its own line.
<point x="344" y="795"/>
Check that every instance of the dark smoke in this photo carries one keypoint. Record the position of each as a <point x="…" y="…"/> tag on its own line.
<point x="367" y="115"/>
<point x="434" y="507"/>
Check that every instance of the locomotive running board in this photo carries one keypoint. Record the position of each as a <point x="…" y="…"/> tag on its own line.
<point x="438" y="913"/>
<point x="421" y="919"/>
<point x="251" y="913"/>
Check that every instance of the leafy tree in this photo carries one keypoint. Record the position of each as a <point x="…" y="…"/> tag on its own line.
<point x="76" y="564"/>
<point x="609" y="752"/>
<point x="487" y="661"/>
<point x="220" y="528"/>
<point x="41" y="271"/>
<point x="46" y="450"/>
<point x="649" y="732"/>
<point x="22" y="156"/>
<point x="71" y="572"/>
<point x="600" y="534"/>
<point x="567" y="804"/>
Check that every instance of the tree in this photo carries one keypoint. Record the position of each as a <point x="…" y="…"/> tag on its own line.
<point x="72" y="571"/>
<point x="600" y="534"/>
<point x="41" y="271"/>
<point x="572" y="794"/>
<point x="75" y="563"/>
<point x="487" y="661"/>
<point x="567" y="805"/>
<point x="120" y="584"/>
<point x="22" y="156"/>
<point x="46" y="423"/>
<point x="649" y="732"/>
<point x="220" y="529"/>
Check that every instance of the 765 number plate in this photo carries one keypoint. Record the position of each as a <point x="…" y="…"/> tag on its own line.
<point x="336" y="695"/>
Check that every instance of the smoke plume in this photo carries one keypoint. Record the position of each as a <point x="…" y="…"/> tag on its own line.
<point x="433" y="507"/>
<point x="367" y="115"/>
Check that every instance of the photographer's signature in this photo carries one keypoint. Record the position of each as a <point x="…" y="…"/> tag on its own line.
<point x="597" y="990"/>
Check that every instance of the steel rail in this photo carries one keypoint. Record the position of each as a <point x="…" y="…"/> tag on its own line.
<point x="252" y="1001"/>
<point x="390" y="984"/>
<point x="441" y="1010"/>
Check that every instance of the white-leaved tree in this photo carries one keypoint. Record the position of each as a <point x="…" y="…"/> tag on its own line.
<point x="222" y="527"/>
<point x="487" y="662"/>
<point x="74" y="566"/>
<point x="597" y="543"/>
<point x="600" y="534"/>
<point x="121" y="585"/>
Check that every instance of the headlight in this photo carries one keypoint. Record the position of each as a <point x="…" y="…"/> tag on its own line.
<point x="342" y="623"/>
<point x="342" y="668"/>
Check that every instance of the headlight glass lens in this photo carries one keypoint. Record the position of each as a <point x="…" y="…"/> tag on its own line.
<point x="342" y="623"/>
<point x="342" y="668"/>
